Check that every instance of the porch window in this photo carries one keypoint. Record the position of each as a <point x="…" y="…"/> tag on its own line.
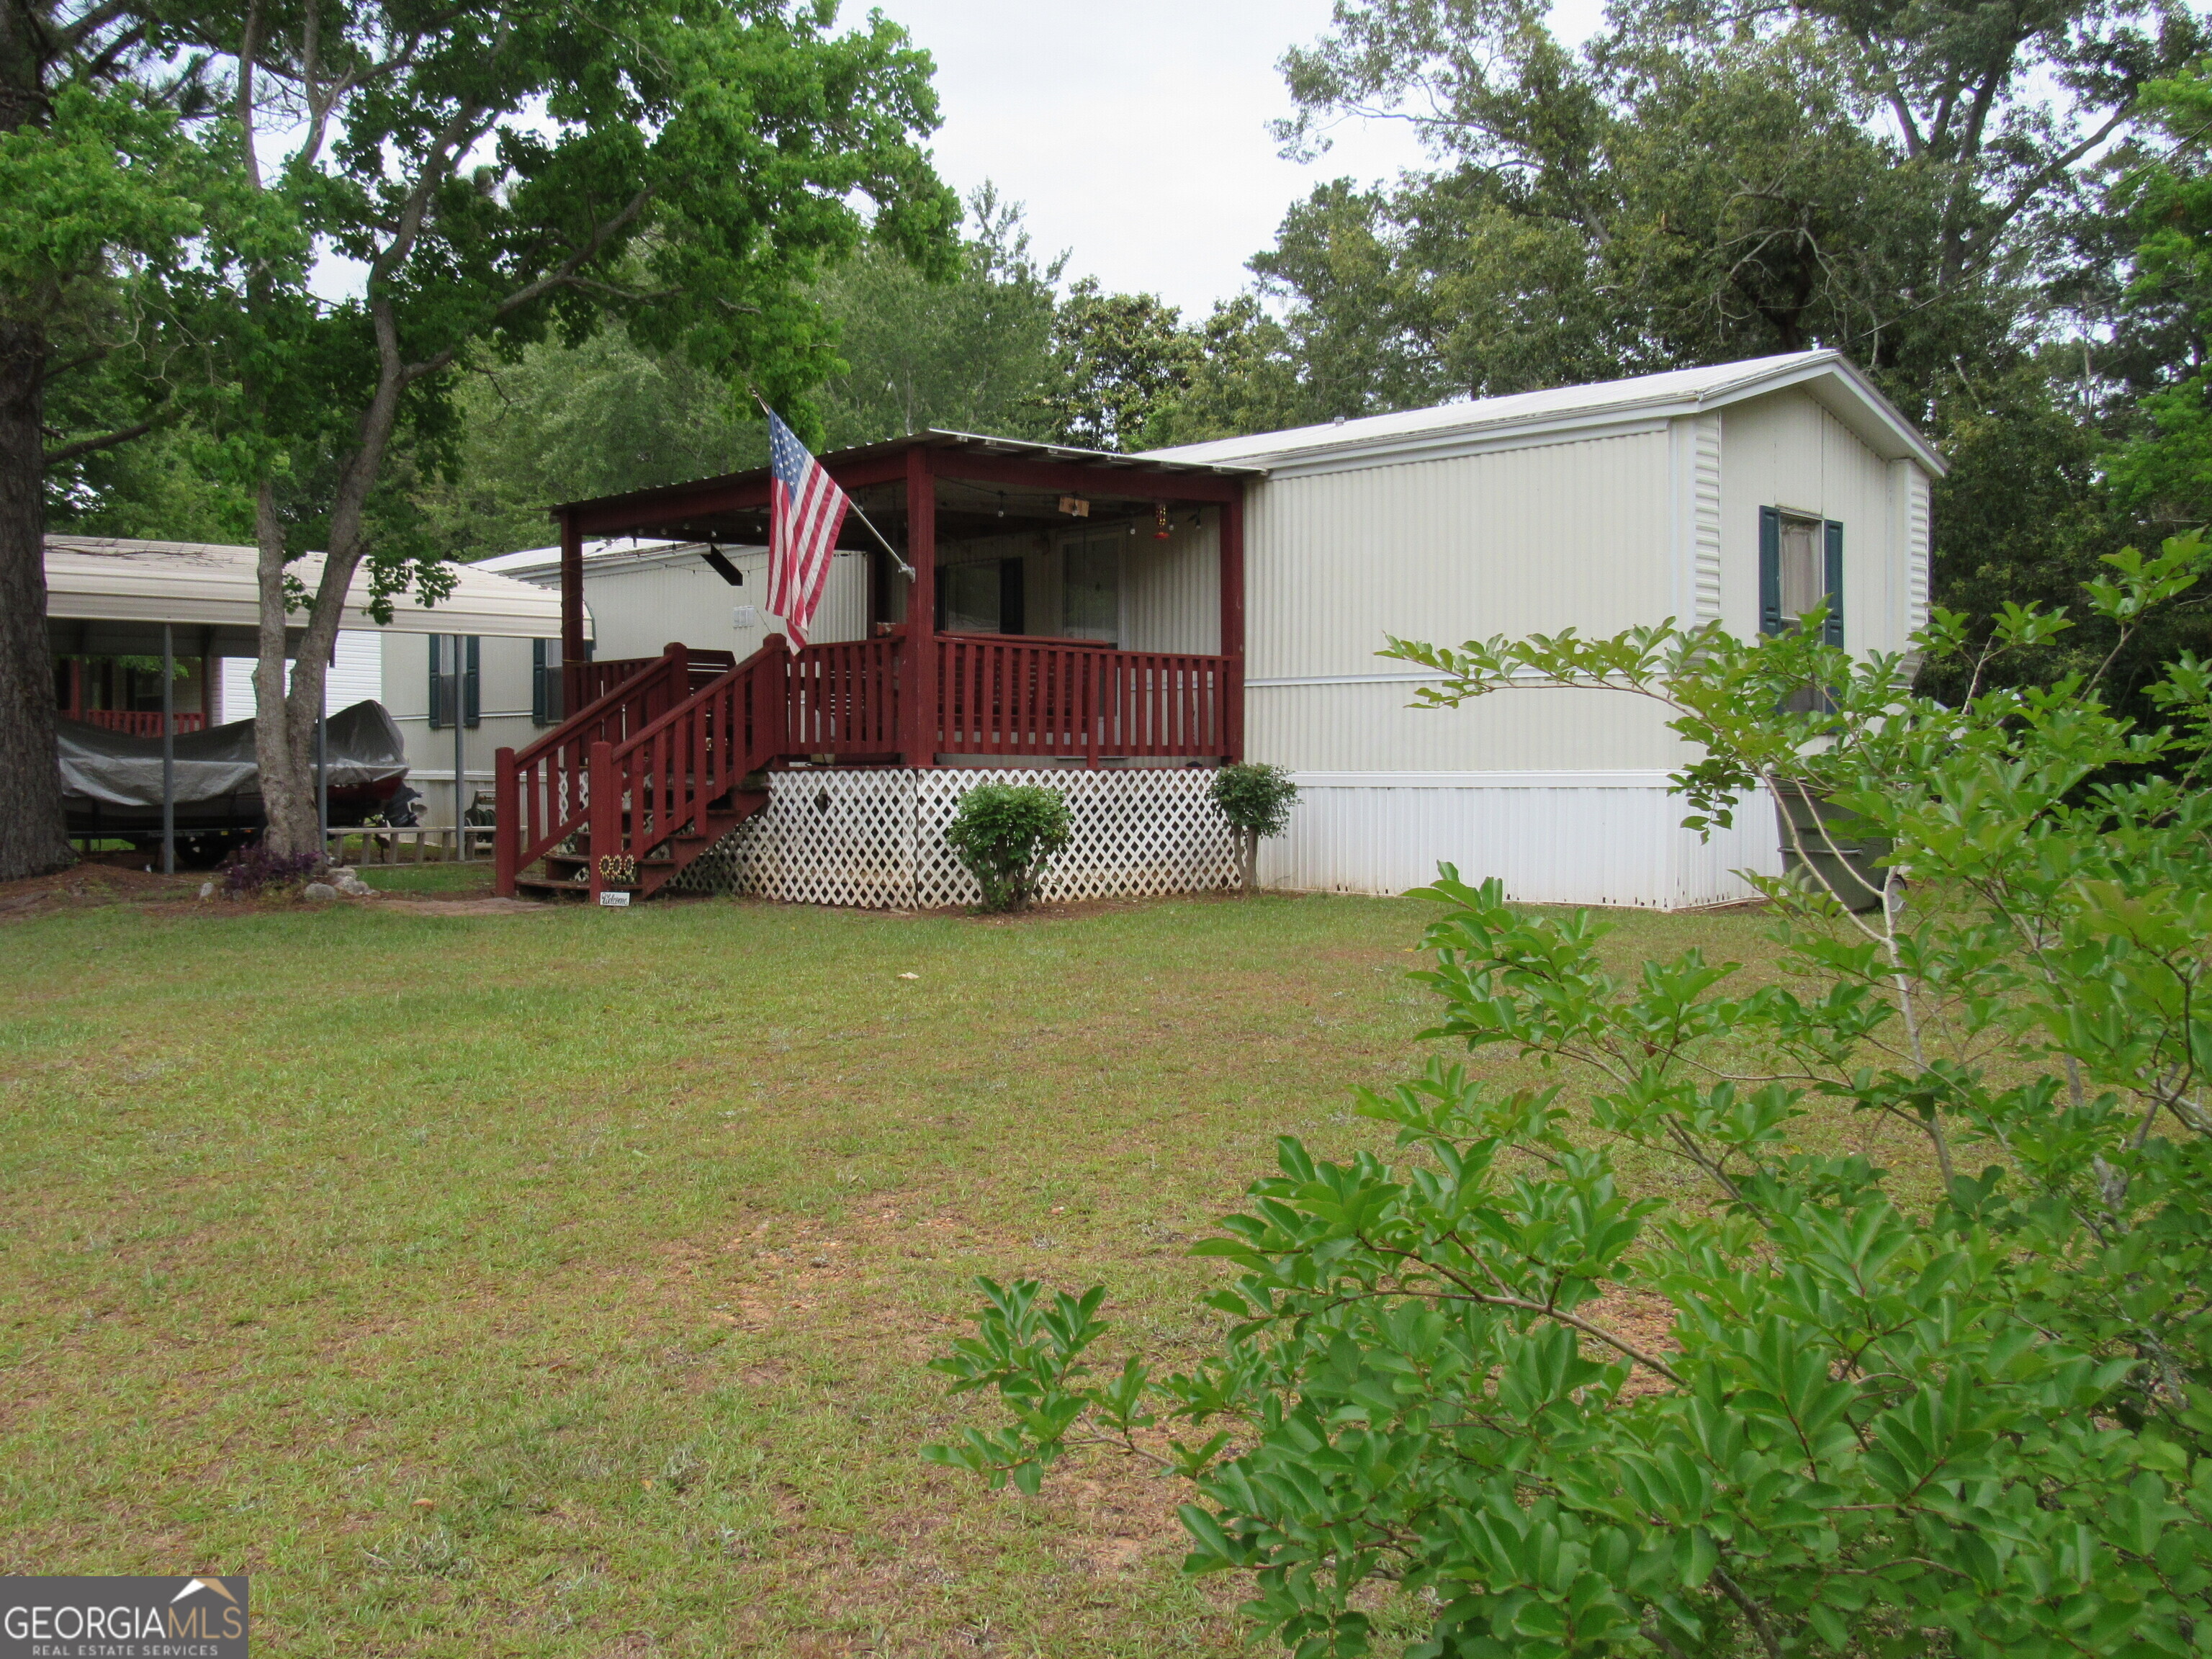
<point x="446" y="697"/>
<point x="1090" y="589"/>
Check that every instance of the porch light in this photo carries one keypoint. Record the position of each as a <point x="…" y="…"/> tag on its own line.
<point x="721" y="567"/>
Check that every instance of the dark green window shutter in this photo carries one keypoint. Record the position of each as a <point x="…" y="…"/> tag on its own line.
<point x="538" y="682"/>
<point x="1834" y="631"/>
<point x="437" y="686"/>
<point x="472" y="703"/>
<point x="1770" y="570"/>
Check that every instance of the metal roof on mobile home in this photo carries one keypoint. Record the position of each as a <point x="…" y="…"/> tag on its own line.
<point x="1565" y="413"/>
<point x="100" y="589"/>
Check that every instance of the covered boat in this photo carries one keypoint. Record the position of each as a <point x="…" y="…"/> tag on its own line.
<point x="112" y="782"/>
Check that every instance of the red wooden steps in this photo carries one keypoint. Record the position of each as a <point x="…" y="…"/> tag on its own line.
<point x="564" y="873"/>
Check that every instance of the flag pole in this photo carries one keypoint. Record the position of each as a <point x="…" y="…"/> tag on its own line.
<point x="855" y="507"/>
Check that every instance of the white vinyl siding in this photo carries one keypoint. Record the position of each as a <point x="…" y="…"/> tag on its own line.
<point x="1785" y="451"/>
<point x="1515" y="542"/>
<point x="356" y="676"/>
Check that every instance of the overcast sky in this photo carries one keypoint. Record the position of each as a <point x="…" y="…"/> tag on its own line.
<point x="1136" y="131"/>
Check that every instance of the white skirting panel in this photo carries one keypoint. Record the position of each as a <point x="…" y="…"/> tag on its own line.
<point x="1604" y="838"/>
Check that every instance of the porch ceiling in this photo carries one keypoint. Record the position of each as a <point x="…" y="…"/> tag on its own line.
<point x="985" y="486"/>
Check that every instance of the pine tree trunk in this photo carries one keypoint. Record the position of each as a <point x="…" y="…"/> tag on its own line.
<point x="32" y="838"/>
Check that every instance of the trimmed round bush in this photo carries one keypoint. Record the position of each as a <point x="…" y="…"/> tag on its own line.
<point x="1004" y="834"/>
<point x="1257" y="801"/>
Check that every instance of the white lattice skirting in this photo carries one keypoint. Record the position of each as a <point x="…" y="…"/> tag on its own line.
<point x="874" y="837"/>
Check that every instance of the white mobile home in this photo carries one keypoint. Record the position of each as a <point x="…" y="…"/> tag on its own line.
<point x="1596" y="507"/>
<point x="1140" y="618"/>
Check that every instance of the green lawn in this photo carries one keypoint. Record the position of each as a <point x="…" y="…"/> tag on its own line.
<point x="560" y="1282"/>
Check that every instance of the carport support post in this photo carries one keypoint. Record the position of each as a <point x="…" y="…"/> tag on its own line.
<point x="920" y="715"/>
<point x="169" y="749"/>
<point x="458" y="714"/>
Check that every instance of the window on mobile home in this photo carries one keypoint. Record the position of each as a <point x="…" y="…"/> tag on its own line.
<point x="1800" y="565"/>
<point x="454" y="685"/>
<point x="1091" y="588"/>
<point x="982" y="596"/>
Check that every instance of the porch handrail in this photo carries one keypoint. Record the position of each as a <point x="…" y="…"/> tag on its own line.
<point x="664" y="778"/>
<point x="138" y="722"/>
<point x="1054" y="640"/>
<point x="847" y="696"/>
<point x="540" y="794"/>
<point x="662" y="722"/>
<point x="597" y="708"/>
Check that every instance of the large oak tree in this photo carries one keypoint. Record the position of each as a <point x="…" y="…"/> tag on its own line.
<point x="498" y="172"/>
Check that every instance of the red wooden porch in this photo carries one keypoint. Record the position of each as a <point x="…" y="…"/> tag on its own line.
<point x="662" y="756"/>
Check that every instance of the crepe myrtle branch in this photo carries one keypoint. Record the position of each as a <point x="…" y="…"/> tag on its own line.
<point x="1753" y="1614"/>
<point x="1467" y="1291"/>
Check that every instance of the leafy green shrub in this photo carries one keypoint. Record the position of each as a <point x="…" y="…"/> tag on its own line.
<point x="1256" y="800"/>
<point x="1811" y="1404"/>
<point x="1004" y="834"/>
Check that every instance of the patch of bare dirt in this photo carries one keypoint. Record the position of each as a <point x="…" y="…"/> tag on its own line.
<point x="93" y="882"/>
<point x="1645" y="1321"/>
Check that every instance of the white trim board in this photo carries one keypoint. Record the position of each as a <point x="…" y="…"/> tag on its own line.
<point x="1402" y="677"/>
<point x="1422" y="677"/>
<point x="1480" y="780"/>
<point x="1455" y="445"/>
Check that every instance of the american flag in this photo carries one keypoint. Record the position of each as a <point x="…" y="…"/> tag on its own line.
<point x="807" y="511"/>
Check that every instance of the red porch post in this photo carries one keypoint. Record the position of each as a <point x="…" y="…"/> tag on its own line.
<point x="506" y="821"/>
<point x="604" y="808"/>
<point x="1232" y="619"/>
<point x="571" y="615"/>
<point x="918" y="740"/>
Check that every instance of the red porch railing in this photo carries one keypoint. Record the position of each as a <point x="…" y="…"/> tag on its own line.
<point x="845" y="698"/>
<point x="137" y="722"/>
<point x="664" y="781"/>
<point x="583" y="684"/>
<point x="541" y="793"/>
<point x="1001" y="694"/>
<point x="652" y="756"/>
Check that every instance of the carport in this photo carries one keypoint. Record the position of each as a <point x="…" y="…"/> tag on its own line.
<point x="107" y="598"/>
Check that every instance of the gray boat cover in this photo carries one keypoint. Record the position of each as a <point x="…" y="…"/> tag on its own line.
<point x="362" y="745"/>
